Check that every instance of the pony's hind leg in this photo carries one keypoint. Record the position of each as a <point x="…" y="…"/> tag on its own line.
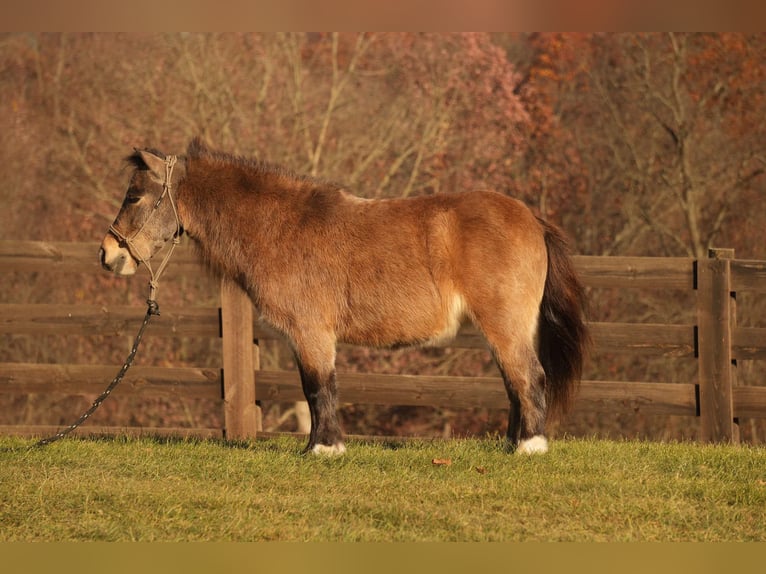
<point x="320" y="390"/>
<point x="524" y="380"/>
<point x="514" y="414"/>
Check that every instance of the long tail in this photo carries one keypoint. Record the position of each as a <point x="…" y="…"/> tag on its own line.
<point x="563" y="334"/>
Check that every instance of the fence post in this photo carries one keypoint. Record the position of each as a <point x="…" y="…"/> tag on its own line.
<point x="715" y="314"/>
<point x="241" y="415"/>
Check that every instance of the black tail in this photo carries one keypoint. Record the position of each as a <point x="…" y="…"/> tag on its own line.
<point x="563" y="334"/>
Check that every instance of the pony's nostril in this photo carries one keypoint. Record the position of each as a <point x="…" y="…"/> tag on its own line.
<point x="102" y="259"/>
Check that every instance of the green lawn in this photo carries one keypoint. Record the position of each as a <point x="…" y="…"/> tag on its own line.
<point x="582" y="490"/>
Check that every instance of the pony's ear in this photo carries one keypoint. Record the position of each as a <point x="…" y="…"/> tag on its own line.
<point x="155" y="163"/>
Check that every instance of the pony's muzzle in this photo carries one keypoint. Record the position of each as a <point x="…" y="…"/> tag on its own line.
<point x="115" y="258"/>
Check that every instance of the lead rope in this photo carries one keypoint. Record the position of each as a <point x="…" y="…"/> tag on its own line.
<point x="152" y="310"/>
<point x="153" y="307"/>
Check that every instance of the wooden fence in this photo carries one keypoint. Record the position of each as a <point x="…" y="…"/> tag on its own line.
<point x="714" y="340"/>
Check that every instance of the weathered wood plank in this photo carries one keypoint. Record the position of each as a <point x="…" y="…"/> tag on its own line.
<point x="637" y="397"/>
<point x="41" y="319"/>
<point x="636" y="272"/>
<point x="596" y="271"/>
<point x="60" y="256"/>
<point x="284" y="386"/>
<point x="239" y="408"/>
<point x="187" y="382"/>
<point x="74" y="257"/>
<point x="750" y="402"/>
<point x="672" y="341"/>
<point x="748" y="275"/>
<point x="486" y="392"/>
<point x="748" y="343"/>
<point x="668" y="340"/>
<point x="714" y="316"/>
<point x="392" y="389"/>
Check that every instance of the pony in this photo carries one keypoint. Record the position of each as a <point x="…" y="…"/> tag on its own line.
<point x="323" y="266"/>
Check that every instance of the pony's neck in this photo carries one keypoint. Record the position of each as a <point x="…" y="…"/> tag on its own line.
<point x="233" y="209"/>
<point x="214" y="195"/>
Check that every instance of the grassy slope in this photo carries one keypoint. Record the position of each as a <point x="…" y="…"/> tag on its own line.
<point x="143" y="489"/>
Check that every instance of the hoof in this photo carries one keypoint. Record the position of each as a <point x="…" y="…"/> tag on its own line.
<point x="536" y="445"/>
<point x="336" y="449"/>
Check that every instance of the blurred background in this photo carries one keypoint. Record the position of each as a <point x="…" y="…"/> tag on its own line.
<point x="635" y="144"/>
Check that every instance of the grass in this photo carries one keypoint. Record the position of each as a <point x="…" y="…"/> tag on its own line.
<point x="185" y="490"/>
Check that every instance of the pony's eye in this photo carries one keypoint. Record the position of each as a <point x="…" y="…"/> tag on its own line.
<point x="133" y="198"/>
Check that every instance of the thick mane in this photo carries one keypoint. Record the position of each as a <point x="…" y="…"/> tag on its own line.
<point x="197" y="150"/>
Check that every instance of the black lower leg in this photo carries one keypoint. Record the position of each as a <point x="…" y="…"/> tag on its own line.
<point x="321" y="395"/>
<point x="514" y="420"/>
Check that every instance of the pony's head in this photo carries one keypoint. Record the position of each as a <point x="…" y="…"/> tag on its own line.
<point x="148" y="217"/>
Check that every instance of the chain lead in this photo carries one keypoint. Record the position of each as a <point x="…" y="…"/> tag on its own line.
<point x="153" y="309"/>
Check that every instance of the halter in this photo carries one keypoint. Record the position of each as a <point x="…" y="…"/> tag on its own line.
<point x="170" y="162"/>
<point x="153" y="308"/>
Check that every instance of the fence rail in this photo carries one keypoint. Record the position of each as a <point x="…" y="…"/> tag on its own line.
<point x="714" y="341"/>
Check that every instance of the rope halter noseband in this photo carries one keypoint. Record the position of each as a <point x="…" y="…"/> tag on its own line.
<point x="170" y="162"/>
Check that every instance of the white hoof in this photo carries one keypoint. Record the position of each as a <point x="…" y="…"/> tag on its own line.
<point x="536" y="445"/>
<point x="323" y="450"/>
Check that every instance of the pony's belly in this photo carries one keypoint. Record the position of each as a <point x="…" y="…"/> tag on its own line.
<point x="414" y="328"/>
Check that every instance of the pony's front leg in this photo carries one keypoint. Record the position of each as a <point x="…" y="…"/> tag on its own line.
<point x="320" y="390"/>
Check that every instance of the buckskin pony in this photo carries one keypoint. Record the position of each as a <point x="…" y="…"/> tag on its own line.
<point x="323" y="266"/>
